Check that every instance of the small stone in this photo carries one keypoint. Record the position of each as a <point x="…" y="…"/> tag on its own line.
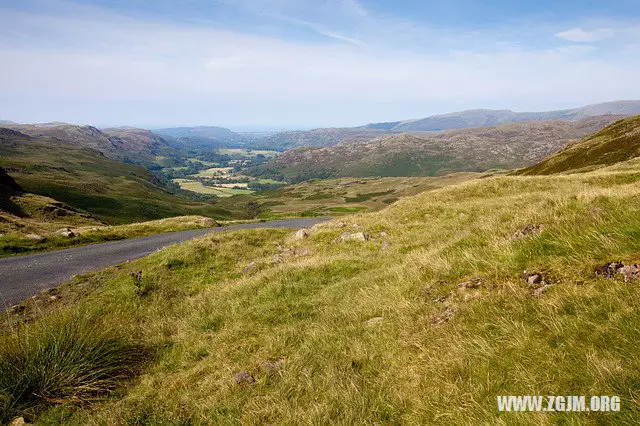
<point x="373" y="321"/>
<point x="462" y="215"/>
<point x="471" y="284"/>
<point x="244" y="378"/>
<point x="301" y="235"/>
<point x="385" y="245"/>
<point x="277" y="258"/>
<point x="358" y="236"/>
<point x="383" y="234"/>
<point x="66" y="232"/>
<point x="443" y="317"/>
<point x="530" y="229"/>
<point x="538" y="291"/>
<point x="19" y="421"/>
<point x="534" y="279"/>
<point x="35" y="237"/>
<point x="250" y="267"/>
<point x="53" y="298"/>
<point x="630" y="272"/>
<point x="610" y="270"/>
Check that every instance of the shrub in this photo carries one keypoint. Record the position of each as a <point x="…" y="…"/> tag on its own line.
<point x="65" y="359"/>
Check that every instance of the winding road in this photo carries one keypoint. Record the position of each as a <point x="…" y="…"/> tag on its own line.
<point x="24" y="276"/>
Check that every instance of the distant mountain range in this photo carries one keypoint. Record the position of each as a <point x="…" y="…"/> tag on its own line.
<point x="488" y="117"/>
<point x="507" y="146"/>
<point x="439" y="123"/>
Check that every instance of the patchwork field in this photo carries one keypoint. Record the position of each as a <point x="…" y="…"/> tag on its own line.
<point x="221" y="190"/>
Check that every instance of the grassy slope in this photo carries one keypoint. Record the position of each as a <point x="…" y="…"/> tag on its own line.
<point x="208" y="320"/>
<point x="331" y="197"/>
<point x="114" y="192"/>
<point x="88" y="232"/>
<point x="615" y="143"/>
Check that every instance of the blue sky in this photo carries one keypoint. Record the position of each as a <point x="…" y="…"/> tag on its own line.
<point x="272" y="64"/>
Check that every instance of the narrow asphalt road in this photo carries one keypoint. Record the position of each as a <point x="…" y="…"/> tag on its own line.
<point x="24" y="276"/>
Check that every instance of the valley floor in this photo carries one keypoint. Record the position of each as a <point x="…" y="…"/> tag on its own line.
<point x="421" y="313"/>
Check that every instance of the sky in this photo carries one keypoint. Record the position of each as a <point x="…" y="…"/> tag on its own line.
<point x="286" y="64"/>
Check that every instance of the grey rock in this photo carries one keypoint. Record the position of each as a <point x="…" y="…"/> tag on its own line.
<point x="385" y="245"/>
<point x="538" y="291"/>
<point x="444" y="317"/>
<point x="630" y="272"/>
<point x="35" y="237"/>
<point x="66" y="232"/>
<point x="301" y="234"/>
<point x="358" y="236"/>
<point x="534" y="279"/>
<point x="530" y="229"/>
<point x="250" y="267"/>
<point x="244" y="378"/>
<point x="610" y="270"/>
<point x="471" y="284"/>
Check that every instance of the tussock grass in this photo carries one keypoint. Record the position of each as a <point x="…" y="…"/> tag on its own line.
<point x="65" y="359"/>
<point x="309" y="314"/>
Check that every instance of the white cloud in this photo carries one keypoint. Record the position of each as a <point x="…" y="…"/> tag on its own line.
<point x="579" y="35"/>
<point x="115" y="70"/>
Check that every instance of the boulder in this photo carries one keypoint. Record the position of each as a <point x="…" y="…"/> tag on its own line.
<point x="35" y="237"/>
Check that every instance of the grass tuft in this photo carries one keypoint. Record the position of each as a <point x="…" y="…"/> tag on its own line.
<point x="65" y="359"/>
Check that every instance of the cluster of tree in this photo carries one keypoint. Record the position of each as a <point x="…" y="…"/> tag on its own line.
<point x="258" y="186"/>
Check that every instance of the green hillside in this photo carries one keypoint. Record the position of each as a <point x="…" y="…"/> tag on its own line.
<point x="615" y="143"/>
<point x="507" y="146"/>
<point x="85" y="179"/>
<point x="417" y="314"/>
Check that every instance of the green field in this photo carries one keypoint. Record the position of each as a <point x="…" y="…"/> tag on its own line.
<point x="247" y="153"/>
<point x="216" y="172"/>
<point x="220" y="191"/>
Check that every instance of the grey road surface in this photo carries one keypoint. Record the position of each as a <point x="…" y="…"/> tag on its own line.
<point x="24" y="276"/>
